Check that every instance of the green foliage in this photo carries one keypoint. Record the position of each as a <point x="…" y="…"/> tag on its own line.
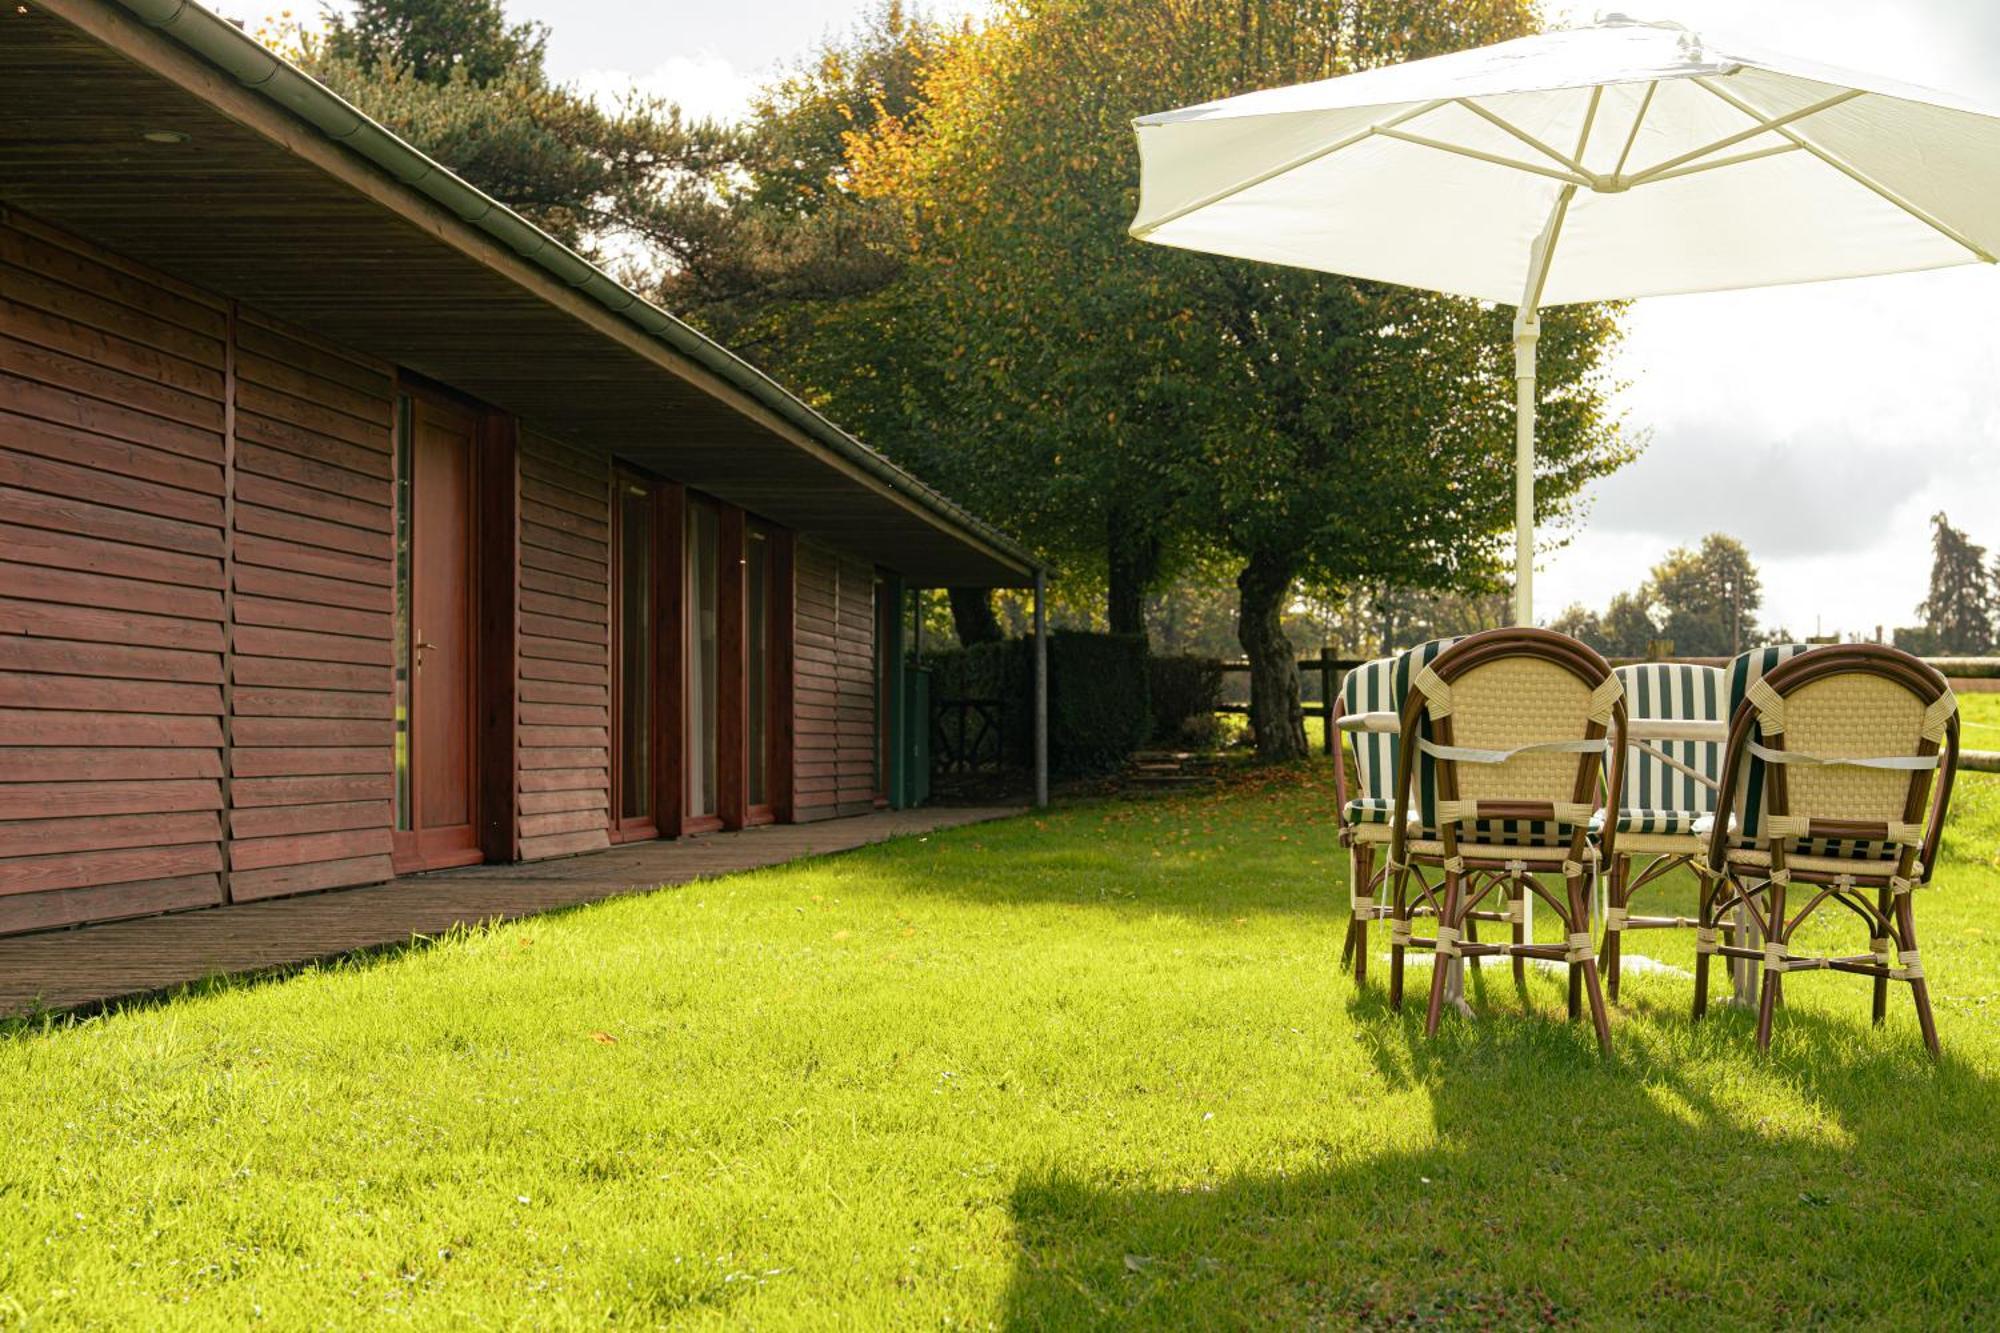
<point x="1959" y="612"/>
<point x="1707" y="599"/>
<point x="1126" y="405"/>
<point x="1091" y="1068"/>
<point x="436" y="41"/>
<point x="471" y="90"/>
<point x="1098" y="709"/>
<point x="1185" y="693"/>
<point x="801" y="244"/>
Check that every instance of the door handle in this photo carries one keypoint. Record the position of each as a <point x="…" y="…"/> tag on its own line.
<point x="420" y="645"/>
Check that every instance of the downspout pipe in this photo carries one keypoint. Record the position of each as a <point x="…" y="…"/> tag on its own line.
<point x="257" y="68"/>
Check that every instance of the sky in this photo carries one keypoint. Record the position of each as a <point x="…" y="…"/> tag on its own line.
<point x="1820" y="425"/>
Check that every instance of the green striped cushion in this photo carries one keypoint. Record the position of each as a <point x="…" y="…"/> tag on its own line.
<point x="1409" y="664"/>
<point x="1370" y="810"/>
<point x="1659" y="821"/>
<point x="1370" y="688"/>
<point x="1657" y="797"/>
<point x="1747" y="801"/>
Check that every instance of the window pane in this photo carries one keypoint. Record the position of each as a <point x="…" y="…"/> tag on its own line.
<point x="635" y="655"/>
<point x="758" y="634"/>
<point x="701" y="565"/>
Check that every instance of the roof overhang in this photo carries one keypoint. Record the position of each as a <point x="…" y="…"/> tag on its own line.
<point x="287" y="199"/>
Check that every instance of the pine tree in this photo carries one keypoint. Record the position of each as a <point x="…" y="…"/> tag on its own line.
<point x="1959" y="611"/>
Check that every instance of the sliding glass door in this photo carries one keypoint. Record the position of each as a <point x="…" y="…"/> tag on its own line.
<point x="760" y="660"/>
<point x="634" y="658"/>
<point x="704" y="667"/>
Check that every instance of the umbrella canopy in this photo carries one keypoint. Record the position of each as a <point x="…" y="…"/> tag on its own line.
<point x="1621" y="160"/>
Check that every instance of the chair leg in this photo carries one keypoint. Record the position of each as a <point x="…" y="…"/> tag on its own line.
<point x="1583" y="976"/>
<point x="1398" y="911"/>
<point x="1357" y="932"/>
<point x="1880" y="1010"/>
<point x="1517" y="891"/>
<point x="1621" y="875"/>
<point x="1353" y="887"/>
<point x="1920" y="989"/>
<point x="1767" y="995"/>
<point x="1705" y="916"/>
<point x="1440" y="962"/>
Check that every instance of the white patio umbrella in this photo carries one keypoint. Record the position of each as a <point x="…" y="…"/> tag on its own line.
<point x="1621" y="160"/>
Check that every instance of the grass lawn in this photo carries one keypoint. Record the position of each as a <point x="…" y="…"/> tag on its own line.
<point x="1093" y="1069"/>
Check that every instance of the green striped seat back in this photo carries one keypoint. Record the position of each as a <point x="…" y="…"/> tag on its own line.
<point x="1409" y="663"/>
<point x="1370" y="688"/>
<point x="1655" y="792"/>
<point x="1746" y="669"/>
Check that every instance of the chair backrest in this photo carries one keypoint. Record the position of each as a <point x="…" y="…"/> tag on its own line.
<point x="1746" y="806"/>
<point x="1516" y="720"/>
<point x="1672" y="692"/>
<point x="1370" y="688"/>
<point x="1889" y="719"/>
<point x="1409" y="664"/>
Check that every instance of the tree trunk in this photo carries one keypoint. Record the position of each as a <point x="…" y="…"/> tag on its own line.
<point x="972" y="616"/>
<point x="1132" y="553"/>
<point x="1277" y="722"/>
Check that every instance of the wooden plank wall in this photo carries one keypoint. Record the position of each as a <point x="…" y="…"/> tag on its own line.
<point x="858" y="694"/>
<point x="833" y="770"/>
<point x="565" y="650"/>
<point x="311" y="724"/>
<point x="112" y="493"/>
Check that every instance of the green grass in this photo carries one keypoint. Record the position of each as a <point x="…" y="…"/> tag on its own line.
<point x="1093" y="1069"/>
<point x="1979" y="721"/>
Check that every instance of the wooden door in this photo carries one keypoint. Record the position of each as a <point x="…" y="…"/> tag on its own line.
<point x="437" y="821"/>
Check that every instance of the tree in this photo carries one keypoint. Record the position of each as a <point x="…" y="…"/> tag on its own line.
<point x="1707" y="598"/>
<point x="469" y="88"/>
<point x="1958" y="614"/>
<point x="1580" y="622"/>
<point x="1132" y="406"/>
<point x="1629" y="628"/>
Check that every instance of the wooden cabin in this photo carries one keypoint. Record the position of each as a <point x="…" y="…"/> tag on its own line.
<point x="351" y="527"/>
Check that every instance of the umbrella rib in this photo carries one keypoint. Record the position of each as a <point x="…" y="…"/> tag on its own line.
<point x="1553" y="173"/>
<point x="1304" y="159"/>
<point x="1495" y="119"/>
<point x="1856" y="175"/>
<point x="1632" y="137"/>
<point x="1764" y="125"/>
<point x="1735" y="160"/>
<point x="1589" y="121"/>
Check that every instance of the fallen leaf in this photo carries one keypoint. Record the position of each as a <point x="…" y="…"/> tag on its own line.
<point x="604" y="1038"/>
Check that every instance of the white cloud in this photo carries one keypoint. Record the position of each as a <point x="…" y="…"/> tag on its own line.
<point x="703" y="85"/>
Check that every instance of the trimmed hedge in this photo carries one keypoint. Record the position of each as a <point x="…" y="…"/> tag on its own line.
<point x="1186" y="692"/>
<point x="1099" y="709"/>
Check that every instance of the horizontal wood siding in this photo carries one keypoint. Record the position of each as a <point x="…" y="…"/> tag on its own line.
<point x="112" y="494"/>
<point x="857" y="735"/>
<point x="564" y="737"/>
<point x="312" y="721"/>
<point x="833" y="769"/>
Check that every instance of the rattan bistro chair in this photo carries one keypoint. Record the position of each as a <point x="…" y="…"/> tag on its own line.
<point x="1368" y="711"/>
<point x="1672" y="773"/>
<point x="1845" y="742"/>
<point x="1516" y="721"/>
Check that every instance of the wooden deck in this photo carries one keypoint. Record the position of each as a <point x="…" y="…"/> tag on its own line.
<point x="93" y="966"/>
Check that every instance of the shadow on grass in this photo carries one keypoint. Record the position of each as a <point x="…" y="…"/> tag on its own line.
<point x="1666" y="1185"/>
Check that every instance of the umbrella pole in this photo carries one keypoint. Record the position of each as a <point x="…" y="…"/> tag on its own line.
<point x="1527" y="333"/>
